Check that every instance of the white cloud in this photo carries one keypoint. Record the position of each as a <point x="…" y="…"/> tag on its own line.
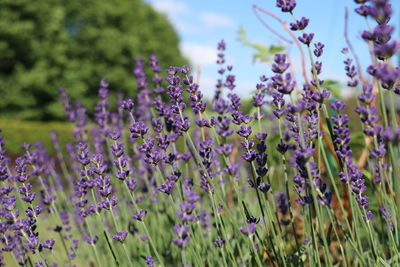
<point x="199" y="54"/>
<point x="216" y="20"/>
<point x="207" y="85"/>
<point x="187" y="21"/>
<point x="182" y="26"/>
<point x="177" y="12"/>
<point x="170" y="7"/>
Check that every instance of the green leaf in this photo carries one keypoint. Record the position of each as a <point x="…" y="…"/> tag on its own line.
<point x="334" y="87"/>
<point x="262" y="53"/>
<point x="382" y="262"/>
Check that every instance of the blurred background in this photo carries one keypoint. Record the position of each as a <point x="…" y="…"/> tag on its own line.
<point x="200" y="24"/>
<point x="48" y="44"/>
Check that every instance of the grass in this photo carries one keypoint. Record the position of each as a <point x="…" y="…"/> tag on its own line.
<point x="17" y="132"/>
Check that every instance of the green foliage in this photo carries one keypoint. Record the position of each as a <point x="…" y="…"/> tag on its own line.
<point x="262" y="52"/>
<point x="334" y="87"/>
<point x="354" y="118"/>
<point x="46" y="44"/>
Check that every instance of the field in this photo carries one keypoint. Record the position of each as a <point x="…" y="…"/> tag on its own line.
<point x="292" y="175"/>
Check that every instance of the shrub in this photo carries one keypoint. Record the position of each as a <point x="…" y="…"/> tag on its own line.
<point x="46" y="44"/>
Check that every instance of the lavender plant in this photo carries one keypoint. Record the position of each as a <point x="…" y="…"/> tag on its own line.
<point x="170" y="179"/>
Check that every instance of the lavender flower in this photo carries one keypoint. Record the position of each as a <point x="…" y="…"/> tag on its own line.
<point x="47" y="244"/>
<point x="299" y="25"/>
<point x="182" y="232"/>
<point x="219" y="242"/>
<point x="127" y="160"/>
<point x="306" y="38"/>
<point x="157" y="80"/>
<point x="248" y="230"/>
<point x="381" y="12"/>
<point x="387" y="215"/>
<point x="149" y="261"/>
<point x="166" y="187"/>
<point x="102" y="114"/>
<point x="368" y="114"/>
<point x="283" y="207"/>
<point x="283" y="83"/>
<point x="319" y="49"/>
<point x="261" y="161"/>
<point x="220" y="61"/>
<point x="92" y="240"/>
<point x="351" y="73"/>
<point x="139" y="215"/>
<point x="206" y="157"/>
<point x="143" y="95"/>
<point x="341" y="137"/>
<point x="286" y="5"/>
<point x="120" y="236"/>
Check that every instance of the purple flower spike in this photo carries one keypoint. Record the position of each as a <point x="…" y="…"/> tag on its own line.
<point x="128" y="105"/>
<point x="280" y="65"/>
<point x="283" y="207"/>
<point x="388" y="76"/>
<point x="249" y="229"/>
<point x="219" y="242"/>
<point x="139" y="215"/>
<point x="286" y="5"/>
<point x="244" y="131"/>
<point x="338" y="105"/>
<point x="351" y="73"/>
<point x="91" y="241"/>
<point x="138" y="129"/>
<point x="182" y="232"/>
<point x="299" y="25"/>
<point x="264" y="187"/>
<point x="48" y="244"/>
<point x="120" y="236"/>
<point x="150" y="261"/>
<point x="387" y="215"/>
<point x="306" y="38"/>
<point x="319" y="49"/>
<point x="166" y="187"/>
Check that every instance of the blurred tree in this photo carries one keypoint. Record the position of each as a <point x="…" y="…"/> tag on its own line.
<point x="46" y="44"/>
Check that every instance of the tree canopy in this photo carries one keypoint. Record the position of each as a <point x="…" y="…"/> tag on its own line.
<point x="48" y="44"/>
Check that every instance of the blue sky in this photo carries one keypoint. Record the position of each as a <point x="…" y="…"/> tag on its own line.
<point x="202" y="23"/>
